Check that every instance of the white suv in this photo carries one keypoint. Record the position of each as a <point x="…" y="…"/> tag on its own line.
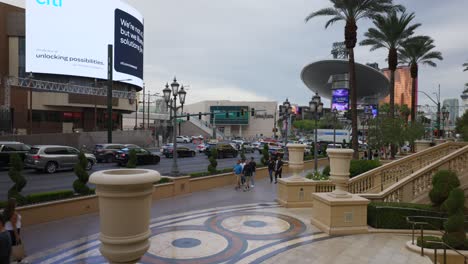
<point x="183" y="139"/>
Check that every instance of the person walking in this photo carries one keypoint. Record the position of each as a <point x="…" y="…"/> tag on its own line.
<point x="247" y="172"/>
<point x="5" y="243"/>
<point x="253" y="164"/>
<point x="278" y="169"/>
<point x="238" y="173"/>
<point x="13" y="226"/>
<point x="271" y="167"/>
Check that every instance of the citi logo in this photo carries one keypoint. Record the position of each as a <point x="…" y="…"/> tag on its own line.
<point x="56" y="3"/>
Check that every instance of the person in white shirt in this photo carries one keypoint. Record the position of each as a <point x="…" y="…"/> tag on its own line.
<point x="13" y="223"/>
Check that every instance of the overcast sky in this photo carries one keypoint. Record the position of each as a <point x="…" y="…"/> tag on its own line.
<point x="256" y="49"/>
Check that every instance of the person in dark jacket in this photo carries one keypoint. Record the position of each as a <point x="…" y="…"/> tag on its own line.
<point x="5" y="243"/>
<point x="248" y="171"/>
<point x="278" y="169"/>
<point x="271" y="168"/>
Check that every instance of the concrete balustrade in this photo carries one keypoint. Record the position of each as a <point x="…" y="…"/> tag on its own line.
<point x="125" y="198"/>
<point x="421" y="145"/>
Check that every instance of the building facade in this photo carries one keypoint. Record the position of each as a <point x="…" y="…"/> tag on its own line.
<point x="235" y="119"/>
<point x="32" y="111"/>
<point x="453" y="107"/>
<point x="403" y="86"/>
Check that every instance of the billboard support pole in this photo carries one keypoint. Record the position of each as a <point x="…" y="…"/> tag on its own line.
<point x="109" y="92"/>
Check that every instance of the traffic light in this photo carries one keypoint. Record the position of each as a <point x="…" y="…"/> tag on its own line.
<point x="199" y="115"/>
<point x="188" y="117"/>
<point x="253" y="112"/>
<point x="227" y="114"/>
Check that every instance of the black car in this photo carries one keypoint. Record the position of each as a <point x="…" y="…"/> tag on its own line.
<point x="181" y="152"/>
<point x="106" y="152"/>
<point x="144" y="157"/>
<point x="224" y="151"/>
<point x="8" y="148"/>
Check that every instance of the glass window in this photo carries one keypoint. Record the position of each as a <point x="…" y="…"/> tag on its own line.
<point x="56" y="151"/>
<point x="33" y="151"/>
<point x="73" y="151"/>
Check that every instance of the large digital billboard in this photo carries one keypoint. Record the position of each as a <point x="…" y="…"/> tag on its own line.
<point x="70" y="37"/>
<point x="230" y="115"/>
<point x="340" y="99"/>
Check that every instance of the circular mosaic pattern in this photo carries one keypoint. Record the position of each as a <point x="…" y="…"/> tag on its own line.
<point x="186" y="242"/>
<point x="189" y="244"/>
<point x="257" y="225"/>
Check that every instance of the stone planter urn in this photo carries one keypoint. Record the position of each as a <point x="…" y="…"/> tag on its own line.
<point x="421" y="145"/>
<point x="340" y="161"/>
<point x="125" y="198"/>
<point x="296" y="160"/>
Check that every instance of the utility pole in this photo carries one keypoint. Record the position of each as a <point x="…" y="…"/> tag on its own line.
<point x="148" y="116"/>
<point x="109" y="91"/>
<point x="143" y="106"/>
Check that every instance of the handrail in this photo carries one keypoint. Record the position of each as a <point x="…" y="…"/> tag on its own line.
<point x="445" y="245"/>
<point x="380" y="178"/>
<point x="420" y="179"/>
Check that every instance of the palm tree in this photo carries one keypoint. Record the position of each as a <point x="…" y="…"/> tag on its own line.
<point x="413" y="52"/>
<point x="389" y="33"/>
<point x="466" y="66"/>
<point x="351" y="11"/>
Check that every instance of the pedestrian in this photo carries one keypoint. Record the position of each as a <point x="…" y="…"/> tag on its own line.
<point x="253" y="164"/>
<point x="376" y="154"/>
<point x="271" y="167"/>
<point x="365" y="156"/>
<point x="5" y="243"/>
<point x="238" y="173"/>
<point x="278" y="168"/>
<point x="247" y="172"/>
<point x="13" y="226"/>
<point x="243" y="177"/>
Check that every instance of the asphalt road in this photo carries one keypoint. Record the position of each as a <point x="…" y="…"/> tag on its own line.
<point x="63" y="180"/>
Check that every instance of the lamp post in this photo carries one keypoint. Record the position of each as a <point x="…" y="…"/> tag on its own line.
<point x="316" y="108"/>
<point x="437" y="103"/>
<point x="172" y="106"/>
<point x="335" y="113"/>
<point x="285" y="112"/>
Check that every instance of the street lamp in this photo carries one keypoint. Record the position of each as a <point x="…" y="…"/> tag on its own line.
<point x="335" y="114"/>
<point x="316" y="108"/>
<point x="172" y="106"/>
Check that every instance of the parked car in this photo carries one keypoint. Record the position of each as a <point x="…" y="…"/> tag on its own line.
<point x="194" y="138"/>
<point x="276" y="151"/>
<point x="181" y="152"/>
<point x="168" y="145"/>
<point x="256" y="145"/>
<point x="330" y="146"/>
<point x="182" y="139"/>
<point x="50" y="158"/>
<point x="106" y="152"/>
<point x="248" y="147"/>
<point x="144" y="157"/>
<point x="8" y="148"/>
<point x="224" y="151"/>
<point x="201" y="147"/>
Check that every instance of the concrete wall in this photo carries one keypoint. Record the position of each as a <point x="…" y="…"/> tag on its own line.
<point x="139" y="137"/>
<point x="190" y="129"/>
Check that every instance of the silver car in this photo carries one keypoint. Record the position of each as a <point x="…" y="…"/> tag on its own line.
<point x="50" y="158"/>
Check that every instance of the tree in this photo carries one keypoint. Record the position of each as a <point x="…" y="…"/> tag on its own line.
<point x="389" y="32"/>
<point x="465" y="65"/>
<point x="443" y="182"/>
<point x="414" y="51"/>
<point x="351" y="11"/>
<point x="462" y="126"/>
<point x="455" y="235"/>
<point x="132" y="159"/>
<point x="79" y="185"/>
<point x="266" y="155"/>
<point x="16" y="176"/>
<point x="213" y="162"/>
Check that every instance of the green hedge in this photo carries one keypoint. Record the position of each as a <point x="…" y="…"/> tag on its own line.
<point x="393" y="215"/>
<point x="163" y="180"/>
<point x="47" y="197"/>
<point x="360" y="166"/>
<point x="204" y="174"/>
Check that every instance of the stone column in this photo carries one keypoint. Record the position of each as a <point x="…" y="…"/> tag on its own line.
<point x="421" y="145"/>
<point x="296" y="160"/>
<point x="124" y="210"/>
<point x="340" y="160"/>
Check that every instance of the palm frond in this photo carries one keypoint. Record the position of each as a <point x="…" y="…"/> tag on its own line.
<point x="323" y="12"/>
<point x="466" y="66"/>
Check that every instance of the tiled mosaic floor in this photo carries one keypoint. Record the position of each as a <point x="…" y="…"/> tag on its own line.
<point x="254" y="233"/>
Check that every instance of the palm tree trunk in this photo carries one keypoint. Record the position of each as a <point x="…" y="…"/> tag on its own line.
<point x="354" y="113"/>
<point x="392" y="65"/>
<point x="414" y="76"/>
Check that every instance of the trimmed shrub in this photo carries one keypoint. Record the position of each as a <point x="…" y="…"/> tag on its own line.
<point x="49" y="196"/>
<point x="242" y="153"/>
<point x="443" y="182"/>
<point x="360" y="166"/>
<point x="163" y="180"/>
<point x="79" y="185"/>
<point x="266" y="155"/>
<point x="132" y="159"/>
<point x="393" y="215"/>
<point x="212" y="159"/>
<point x="455" y="235"/>
<point x="426" y="242"/>
<point x="326" y="171"/>
<point x="16" y="176"/>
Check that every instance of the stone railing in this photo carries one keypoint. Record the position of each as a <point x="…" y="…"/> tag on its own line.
<point x="419" y="183"/>
<point x="379" y="179"/>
